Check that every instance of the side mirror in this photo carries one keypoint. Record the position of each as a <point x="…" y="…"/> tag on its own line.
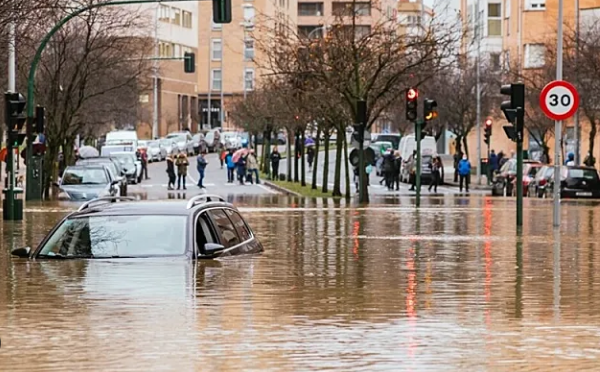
<point x="22" y="252"/>
<point x="213" y="247"/>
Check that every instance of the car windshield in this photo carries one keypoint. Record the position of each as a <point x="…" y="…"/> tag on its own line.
<point x="124" y="158"/>
<point x="117" y="236"/>
<point x="179" y="137"/>
<point x="584" y="174"/>
<point x="84" y="176"/>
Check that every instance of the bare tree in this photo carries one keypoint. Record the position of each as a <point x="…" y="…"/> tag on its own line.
<point x="91" y="74"/>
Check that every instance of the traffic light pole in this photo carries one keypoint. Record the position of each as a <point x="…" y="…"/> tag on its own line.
<point x="36" y="60"/>
<point x="520" y="119"/>
<point x="363" y="193"/>
<point x="418" y="126"/>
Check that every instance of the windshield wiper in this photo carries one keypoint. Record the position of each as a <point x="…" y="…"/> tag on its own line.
<point x="61" y="257"/>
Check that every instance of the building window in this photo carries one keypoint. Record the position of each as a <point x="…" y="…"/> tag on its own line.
<point x="535" y="5"/>
<point x="248" y="16"/>
<point x="495" y="62"/>
<point x="315" y="32"/>
<point x="310" y="9"/>
<point x="249" y="79"/>
<point x="507" y="8"/>
<point x="346" y="9"/>
<point x="534" y="55"/>
<point x="494" y="19"/>
<point x="177" y="50"/>
<point x="216" y="49"/>
<point x="249" y="49"/>
<point x="164" y="13"/>
<point x="176" y="16"/>
<point x="216" y="80"/>
<point x="186" y="19"/>
<point x="165" y="49"/>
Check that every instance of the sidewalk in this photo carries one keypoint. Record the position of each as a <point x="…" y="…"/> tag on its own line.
<point x="449" y="180"/>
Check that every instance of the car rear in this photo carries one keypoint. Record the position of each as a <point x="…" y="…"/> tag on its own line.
<point x="579" y="182"/>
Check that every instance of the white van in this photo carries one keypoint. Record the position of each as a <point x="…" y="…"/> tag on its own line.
<point x="408" y="145"/>
<point x="122" y="138"/>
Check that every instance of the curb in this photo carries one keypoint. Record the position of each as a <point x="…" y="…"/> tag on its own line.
<point x="471" y="186"/>
<point x="280" y="189"/>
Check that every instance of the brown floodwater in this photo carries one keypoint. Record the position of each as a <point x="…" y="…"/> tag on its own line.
<point x="338" y="288"/>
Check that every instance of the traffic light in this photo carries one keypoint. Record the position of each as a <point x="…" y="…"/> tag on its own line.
<point x="514" y="110"/>
<point x="488" y="131"/>
<point x="15" y="118"/>
<point x="359" y="128"/>
<point x="40" y="119"/>
<point x="412" y="96"/>
<point x="189" y="62"/>
<point x="429" y="109"/>
<point x="221" y="11"/>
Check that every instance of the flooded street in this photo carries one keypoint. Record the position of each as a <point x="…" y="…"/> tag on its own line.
<point x="449" y="287"/>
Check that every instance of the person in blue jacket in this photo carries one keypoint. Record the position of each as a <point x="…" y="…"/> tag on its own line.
<point x="230" y="166"/>
<point x="464" y="172"/>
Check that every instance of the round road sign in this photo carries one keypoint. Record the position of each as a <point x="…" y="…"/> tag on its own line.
<point x="559" y="100"/>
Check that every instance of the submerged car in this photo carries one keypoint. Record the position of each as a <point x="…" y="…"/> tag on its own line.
<point x="204" y="227"/>
<point x="87" y="182"/>
<point x="113" y="165"/>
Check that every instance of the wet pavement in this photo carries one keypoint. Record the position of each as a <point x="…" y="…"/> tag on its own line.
<point x="447" y="288"/>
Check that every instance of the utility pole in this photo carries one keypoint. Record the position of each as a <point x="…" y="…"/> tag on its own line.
<point x="478" y="88"/>
<point x="155" y="79"/>
<point x="576" y="118"/>
<point x="558" y="123"/>
<point x="222" y="111"/>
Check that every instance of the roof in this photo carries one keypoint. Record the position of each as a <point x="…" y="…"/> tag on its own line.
<point x="86" y="166"/>
<point x="167" y="208"/>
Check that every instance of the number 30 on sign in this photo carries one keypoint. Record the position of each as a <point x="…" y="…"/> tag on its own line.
<point x="559" y="100"/>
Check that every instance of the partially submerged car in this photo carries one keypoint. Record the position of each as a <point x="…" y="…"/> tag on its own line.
<point x="204" y="227"/>
<point x="87" y="182"/>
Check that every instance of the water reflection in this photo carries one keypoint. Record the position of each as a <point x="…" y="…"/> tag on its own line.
<point x="448" y="287"/>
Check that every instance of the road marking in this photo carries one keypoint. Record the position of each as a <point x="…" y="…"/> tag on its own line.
<point x="267" y="189"/>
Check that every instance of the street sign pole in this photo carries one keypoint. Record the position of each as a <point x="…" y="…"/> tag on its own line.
<point x="558" y="123"/>
<point x="361" y="109"/>
<point x="418" y="125"/>
<point x="520" y="117"/>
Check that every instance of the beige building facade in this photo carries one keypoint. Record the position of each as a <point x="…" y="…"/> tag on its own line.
<point x="513" y="37"/>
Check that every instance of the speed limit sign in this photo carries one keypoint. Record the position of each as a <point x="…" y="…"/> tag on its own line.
<point x="559" y="100"/>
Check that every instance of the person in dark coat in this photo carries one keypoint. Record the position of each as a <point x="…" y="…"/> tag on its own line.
<point x="457" y="157"/>
<point x="388" y="169"/>
<point x="171" y="172"/>
<point x="397" y="168"/>
<point x="436" y="172"/>
<point x="493" y="161"/>
<point x="275" y="158"/>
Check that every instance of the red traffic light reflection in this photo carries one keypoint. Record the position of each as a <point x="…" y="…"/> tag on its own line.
<point x="488" y="122"/>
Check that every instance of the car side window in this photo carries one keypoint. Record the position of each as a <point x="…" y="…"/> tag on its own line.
<point x="228" y="233"/>
<point x="204" y="231"/>
<point x="239" y="224"/>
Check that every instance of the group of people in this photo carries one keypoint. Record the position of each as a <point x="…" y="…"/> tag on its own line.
<point x="245" y="163"/>
<point x="177" y="169"/>
<point x="391" y="166"/>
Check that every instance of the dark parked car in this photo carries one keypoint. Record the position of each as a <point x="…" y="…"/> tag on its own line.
<point x="576" y="182"/>
<point x="204" y="227"/>
<point x="537" y="187"/>
<point x="115" y="168"/>
<point x="87" y="182"/>
<point x="503" y="180"/>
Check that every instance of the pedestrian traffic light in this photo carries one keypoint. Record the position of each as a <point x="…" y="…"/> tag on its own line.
<point x="412" y="96"/>
<point x="429" y="109"/>
<point x="514" y="110"/>
<point x="14" y="111"/>
<point x="361" y="116"/>
<point x="189" y="62"/>
<point x="488" y="131"/>
<point x="221" y="11"/>
<point x="40" y="119"/>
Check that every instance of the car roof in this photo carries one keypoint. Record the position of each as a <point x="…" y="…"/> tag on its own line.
<point x="166" y="208"/>
<point x="87" y="166"/>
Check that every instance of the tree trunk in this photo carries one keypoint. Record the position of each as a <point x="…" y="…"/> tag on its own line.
<point x="316" y="160"/>
<point x="338" y="164"/>
<point x="347" y="169"/>
<point x="289" y="156"/>
<point x="326" y="164"/>
<point x="297" y="147"/>
<point x="302" y="160"/>
<point x="593" y="131"/>
<point x="466" y="147"/>
<point x="458" y="144"/>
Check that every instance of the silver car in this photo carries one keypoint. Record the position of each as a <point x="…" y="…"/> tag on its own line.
<point x="169" y="145"/>
<point x="156" y="152"/>
<point x="183" y="141"/>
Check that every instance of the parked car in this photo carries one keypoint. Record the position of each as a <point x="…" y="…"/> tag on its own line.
<point x="204" y="227"/>
<point x="87" y="182"/>
<point x="537" y="187"/>
<point x="198" y="143"/>
<point x="169" y="145"/>
<point x="410" y="168"/>
<point x="210" y="139"/>
<point x="576" y="182"/>
<point x="394" y="139"/>
<point x="183" y="141"/>
<point x="130" y="164"/>
<point x="502" y="181"/>
<point x="155" y="151"/>
<point x="529" y="172"/>
<point x="115" y="168"/>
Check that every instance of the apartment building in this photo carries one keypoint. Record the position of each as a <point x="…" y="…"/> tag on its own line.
<point x="513" y="33"/>
<point x="227" y="53"/>
<point x="175" y="32"/>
